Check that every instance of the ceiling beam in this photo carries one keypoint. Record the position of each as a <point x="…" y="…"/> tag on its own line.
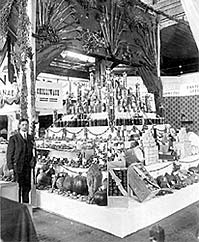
<point x="65" y="72"/>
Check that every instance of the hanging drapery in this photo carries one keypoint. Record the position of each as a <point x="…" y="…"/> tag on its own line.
<point x="191" y="8"/>
<point x="150" y="70"/>
<point x="146" y="49"/>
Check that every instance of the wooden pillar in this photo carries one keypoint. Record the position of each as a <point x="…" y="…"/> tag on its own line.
<point x="31" y="66"/>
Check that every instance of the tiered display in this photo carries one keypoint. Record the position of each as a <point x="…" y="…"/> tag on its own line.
<point x="116" y="154"/>
<point x="106" y="102"/>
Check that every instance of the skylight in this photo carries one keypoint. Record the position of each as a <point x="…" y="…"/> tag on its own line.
<point x="81" y="57"/>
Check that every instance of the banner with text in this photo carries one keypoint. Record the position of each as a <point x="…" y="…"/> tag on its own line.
<point x="185" y="85"/>
<point x="9" y="93"/>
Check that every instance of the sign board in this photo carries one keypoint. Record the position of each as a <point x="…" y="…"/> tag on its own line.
<point x="185" y="85"/>
<point x="49" y="96"/>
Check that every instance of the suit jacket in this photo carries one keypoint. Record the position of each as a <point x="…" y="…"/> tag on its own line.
<point x="18" y="154"/>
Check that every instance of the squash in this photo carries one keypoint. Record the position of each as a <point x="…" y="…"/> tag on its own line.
<point x="59" y="182"/>
<point x="80" y="185"/>
<point x="68" y="183"/>
<point x="162" y="181"/>
<point x="43" y="179"/>
<point x="100" y="198"/>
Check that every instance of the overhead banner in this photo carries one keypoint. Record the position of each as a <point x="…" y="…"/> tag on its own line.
<point x="185" y="85"/>
<point x="48" y="96"/>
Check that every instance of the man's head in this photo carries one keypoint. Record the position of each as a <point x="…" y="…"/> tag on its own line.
<point x="23" y="124"/>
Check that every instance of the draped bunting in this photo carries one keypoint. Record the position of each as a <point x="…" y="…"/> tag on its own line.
<point x="191" y="8"/>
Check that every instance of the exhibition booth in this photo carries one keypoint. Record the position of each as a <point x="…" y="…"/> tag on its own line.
<point x="116" y="143"/>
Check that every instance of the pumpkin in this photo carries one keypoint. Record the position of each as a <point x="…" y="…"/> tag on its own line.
<point x="68" y="183"/>
<point x="162" y="181"/>
<point x="170" y="179"/>
<point x="43" y="179"/>
<point x="80" y="185"/>
<point x="100" y="198"/>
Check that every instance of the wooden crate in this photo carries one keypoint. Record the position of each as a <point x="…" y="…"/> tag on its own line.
<point x="117" y="188"/>
<point x="141" y="183"/>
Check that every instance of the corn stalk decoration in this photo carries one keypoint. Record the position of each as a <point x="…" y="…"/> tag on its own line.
<point x="112" y="28"/>
<point x="4" y="17"/>
<point x="21" y="51"/>
<point x="86" y="4"/>
<point x="110" y="34"/>
<point x="56" y="27"/>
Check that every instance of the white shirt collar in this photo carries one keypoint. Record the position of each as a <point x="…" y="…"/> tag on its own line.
<point x="24" y="134"/>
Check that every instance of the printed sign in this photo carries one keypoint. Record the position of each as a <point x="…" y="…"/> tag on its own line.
<point x="186" y="85"/>
<point x="48" y="96"/>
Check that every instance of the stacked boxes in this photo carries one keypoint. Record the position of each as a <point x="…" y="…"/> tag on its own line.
<point x="183" y="144"/>
<point x="150" y="148"/>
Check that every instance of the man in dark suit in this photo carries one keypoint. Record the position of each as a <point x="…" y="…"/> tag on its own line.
<point x="20" y="159"/>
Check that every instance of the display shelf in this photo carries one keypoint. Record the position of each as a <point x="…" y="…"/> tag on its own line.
<point x="92" y="131"/>
<point x="163" y="167"/>
<point x="119" y="221"/>
<point x="104" y="122"/>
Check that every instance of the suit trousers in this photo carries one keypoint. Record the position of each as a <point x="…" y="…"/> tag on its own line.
<point x="24" y="180"/>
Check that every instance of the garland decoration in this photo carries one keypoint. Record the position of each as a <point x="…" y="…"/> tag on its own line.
<point x="22" y="51"/>
<point x="65" y="131"/>
<point x="24" y="94"/>
<point x="32" y="87"/>
<point x="98" y="134"/>
<point x="4" y="17"/>
<point x="161" y="168"/>
<point x="186" y="162"/>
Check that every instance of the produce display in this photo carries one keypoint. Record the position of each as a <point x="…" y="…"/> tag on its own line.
<point x="74" y="155"/>
<point x="59" y="167"/>
<point x="178" y="178"/>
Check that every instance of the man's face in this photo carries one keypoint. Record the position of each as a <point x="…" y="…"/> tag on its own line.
<point x="23" y="126"/>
